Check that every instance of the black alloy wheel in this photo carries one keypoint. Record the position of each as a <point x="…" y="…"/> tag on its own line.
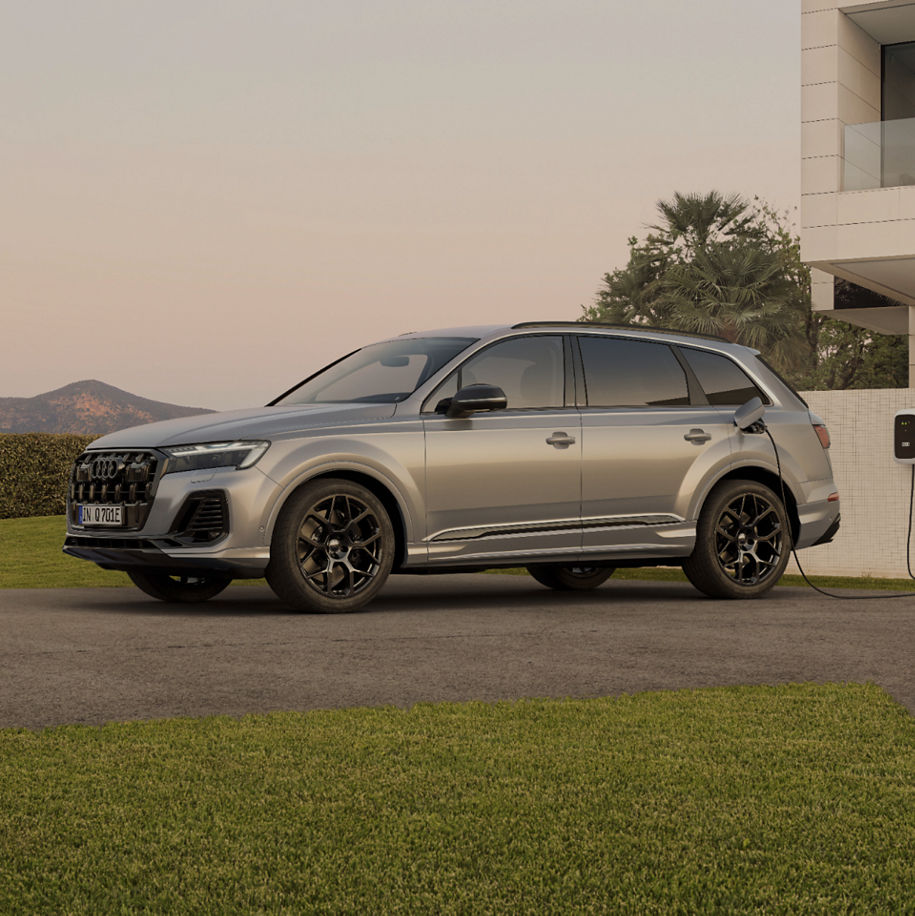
<point x="184" y="588"/>
<point x="571" y="578"/>
<point x="743" y="542"/>
<point x="332" y="548"/>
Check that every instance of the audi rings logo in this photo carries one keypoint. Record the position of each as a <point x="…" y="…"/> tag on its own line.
<point x="104" y="469"/>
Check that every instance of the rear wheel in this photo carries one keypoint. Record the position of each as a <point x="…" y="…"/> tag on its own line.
<point x="187" y="588"/>
<point x="743" y="541"/>
<point x="571" y="578"/>
<point x="332" y="548"/>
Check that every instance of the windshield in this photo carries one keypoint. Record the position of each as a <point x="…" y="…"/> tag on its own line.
<point x="381" y="373"/>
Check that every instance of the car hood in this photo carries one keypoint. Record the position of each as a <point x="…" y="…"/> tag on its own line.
<point x="253" y="423"/>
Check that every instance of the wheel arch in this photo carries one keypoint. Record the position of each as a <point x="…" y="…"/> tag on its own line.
<point x="771" y="480"/>
<point x="375" y="486"/>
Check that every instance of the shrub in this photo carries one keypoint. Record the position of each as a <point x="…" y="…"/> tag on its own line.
<point x="35" y="472"/>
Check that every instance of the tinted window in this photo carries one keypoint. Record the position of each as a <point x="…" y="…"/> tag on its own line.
<point x="632" y="373"/>
<point x="530" y="370"/>
<point x="722" y="380"/>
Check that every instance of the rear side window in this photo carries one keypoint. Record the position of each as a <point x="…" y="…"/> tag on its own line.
<point x="632" y="373"/>
<point x="722" y="380"/>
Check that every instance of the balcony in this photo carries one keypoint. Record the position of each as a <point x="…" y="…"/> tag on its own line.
<point x="879" y="155"/>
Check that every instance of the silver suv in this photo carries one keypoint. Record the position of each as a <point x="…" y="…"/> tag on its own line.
<point x="568" y="448"/>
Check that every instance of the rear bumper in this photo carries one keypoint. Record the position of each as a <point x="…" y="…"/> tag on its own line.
<point x="819" y="523"/>
<point x="829" y="533"/>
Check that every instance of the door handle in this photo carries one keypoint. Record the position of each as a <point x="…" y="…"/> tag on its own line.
<point x="560" y="439"/>
<point x="698" y="436"/>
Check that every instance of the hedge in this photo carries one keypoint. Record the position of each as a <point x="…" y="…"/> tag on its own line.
<point x="35" y="471"/>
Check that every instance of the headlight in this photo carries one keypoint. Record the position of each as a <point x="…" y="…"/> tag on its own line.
<point x="213" y="455"/>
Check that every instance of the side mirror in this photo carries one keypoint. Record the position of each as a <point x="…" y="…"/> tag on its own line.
<point x="472" y="398"/>
<point x="749" y="415"/>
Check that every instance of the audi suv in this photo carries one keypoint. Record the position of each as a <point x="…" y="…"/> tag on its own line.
<point x="570" y="449"/>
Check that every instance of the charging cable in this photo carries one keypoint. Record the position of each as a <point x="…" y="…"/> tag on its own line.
<point x="908" y="543"/>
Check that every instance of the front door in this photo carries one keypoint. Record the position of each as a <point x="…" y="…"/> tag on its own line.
<point x="506" y="484"/>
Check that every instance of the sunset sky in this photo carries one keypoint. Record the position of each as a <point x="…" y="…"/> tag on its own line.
<point x="203" y="202"/>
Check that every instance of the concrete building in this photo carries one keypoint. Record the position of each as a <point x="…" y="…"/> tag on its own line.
<point x="858" y="162"/>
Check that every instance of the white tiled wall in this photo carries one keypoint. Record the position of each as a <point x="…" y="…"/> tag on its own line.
<point x="873" y="489"/>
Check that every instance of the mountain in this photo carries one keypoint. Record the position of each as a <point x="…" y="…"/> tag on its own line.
<point x="86" y="407"/>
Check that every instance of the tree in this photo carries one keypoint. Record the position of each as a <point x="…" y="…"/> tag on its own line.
<point x="720" y="265"/>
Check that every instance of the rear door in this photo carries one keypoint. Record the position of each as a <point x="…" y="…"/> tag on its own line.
<point x="646" y="442"/>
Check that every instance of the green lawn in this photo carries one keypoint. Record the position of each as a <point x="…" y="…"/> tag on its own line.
<point x="740" y="800"/>
<point x="30" y="557"/>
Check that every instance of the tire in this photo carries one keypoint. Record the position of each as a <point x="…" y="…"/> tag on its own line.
<point x="186" y="588"/>
<point x="571" y="578"/>
<point x="743" y="541"/>
<point x="332" y="548"/>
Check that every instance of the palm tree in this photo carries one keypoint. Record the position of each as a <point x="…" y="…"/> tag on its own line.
<point x="695" y="219"/>
<point x="715" y="264"/>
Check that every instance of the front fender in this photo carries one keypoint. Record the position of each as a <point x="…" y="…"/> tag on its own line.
<point x="399" y="467"/>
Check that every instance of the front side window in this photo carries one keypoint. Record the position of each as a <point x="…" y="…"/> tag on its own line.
<point x="632" y="373"/>
<point x="382" y="373"/>
<point x="530" y="370"/>
<point x="722" y="380"/>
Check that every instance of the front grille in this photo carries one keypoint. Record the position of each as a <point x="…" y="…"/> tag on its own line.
<point x="203" y="518"/>
<point x="112" y="478"/>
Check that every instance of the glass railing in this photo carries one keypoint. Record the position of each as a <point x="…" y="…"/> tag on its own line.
<point x="879" y="155"/>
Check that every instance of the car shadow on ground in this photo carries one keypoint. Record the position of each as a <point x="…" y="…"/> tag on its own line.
<point x="411" y="594"/>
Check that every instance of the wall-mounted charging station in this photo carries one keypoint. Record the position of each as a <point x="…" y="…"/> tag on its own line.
<point x="904" y="436"/>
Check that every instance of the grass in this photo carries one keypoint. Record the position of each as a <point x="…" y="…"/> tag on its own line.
<point x="30" y="557"/>
<point x="738" y="800"/>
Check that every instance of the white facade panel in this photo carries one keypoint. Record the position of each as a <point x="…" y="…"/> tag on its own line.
<point x="819" y="65"/>
<point x="821" y="138"/>
<point x="814" y="6"/>
<point x="870" y="240"/>
<point x="819" y="102"/>
<point x="856" y="42"/>
<point x="818" y="245"/>
<point x="858" y="79"/>
<point x="818" y="210"/>
<point x="819" y="29"/>
<point x="868" y="206"/>
<point x="907" y="203"/>
<point x="820" y="175"/>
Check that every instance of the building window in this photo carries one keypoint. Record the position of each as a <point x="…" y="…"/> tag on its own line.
<point x="898" y="81"/>
<point x="898" y="115"/>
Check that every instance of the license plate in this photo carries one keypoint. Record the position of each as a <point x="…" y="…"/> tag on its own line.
<point x="111" y="516"/>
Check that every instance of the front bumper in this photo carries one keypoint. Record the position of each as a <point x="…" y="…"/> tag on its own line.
<point x="140" y="553"/>
<point x="243" y="552"/>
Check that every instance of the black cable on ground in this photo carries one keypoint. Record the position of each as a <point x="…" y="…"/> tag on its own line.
<point x="816" y="588"/>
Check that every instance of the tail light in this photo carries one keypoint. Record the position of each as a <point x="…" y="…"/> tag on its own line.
<point x="822" y="434"/>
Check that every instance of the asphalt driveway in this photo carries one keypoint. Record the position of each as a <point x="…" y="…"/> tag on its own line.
<point x="98" y="655"/>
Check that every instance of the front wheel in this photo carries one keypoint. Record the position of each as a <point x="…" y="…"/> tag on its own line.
<point x="332" y="548"/>
<point x="743" y="541"/>
<point x="571" y="578"/>
<point x="186" y="588"/>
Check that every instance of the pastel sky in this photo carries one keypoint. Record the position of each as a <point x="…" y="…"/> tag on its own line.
<point x="204" y="201"/>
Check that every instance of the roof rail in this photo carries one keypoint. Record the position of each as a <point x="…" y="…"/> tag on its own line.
<point x="616" y="327"/>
